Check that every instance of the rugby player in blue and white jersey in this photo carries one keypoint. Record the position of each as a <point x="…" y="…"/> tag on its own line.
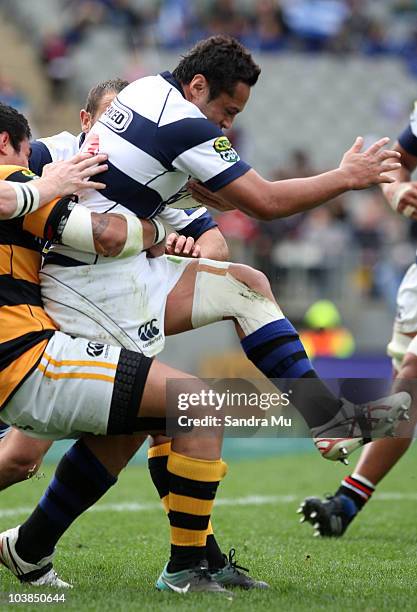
<point x="333" y="515"/>
<point x="21" y="456"/>
<point x="158" y="132"/>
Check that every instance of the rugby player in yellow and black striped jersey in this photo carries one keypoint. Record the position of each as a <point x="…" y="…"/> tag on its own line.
<point x="25" y="327"/>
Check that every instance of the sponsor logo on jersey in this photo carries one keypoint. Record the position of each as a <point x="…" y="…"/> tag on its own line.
<point x="223" y="147"/>
<point x="117" y="117"/>
<point x="95" y="349"/>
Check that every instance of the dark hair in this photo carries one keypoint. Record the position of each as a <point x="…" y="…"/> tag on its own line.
<point x="96" y="93"/>
<point x="15" y="124"/>
<point x="222" y="60"/>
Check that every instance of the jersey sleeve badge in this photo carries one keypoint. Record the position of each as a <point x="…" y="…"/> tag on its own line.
<point x="223" y="147"/>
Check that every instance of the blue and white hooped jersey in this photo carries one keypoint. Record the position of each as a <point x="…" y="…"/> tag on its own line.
<point x="408" y="138"/>
<point x="64" y="145"/>
<point x="156" y="140"/>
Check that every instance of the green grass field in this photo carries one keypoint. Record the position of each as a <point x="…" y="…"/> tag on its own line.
<point x="113" y="555"/>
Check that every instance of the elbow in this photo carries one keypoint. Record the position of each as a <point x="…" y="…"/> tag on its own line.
<point x="264" y="213"/>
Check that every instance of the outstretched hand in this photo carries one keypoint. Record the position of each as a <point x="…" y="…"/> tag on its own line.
<point x="370" y="167"/>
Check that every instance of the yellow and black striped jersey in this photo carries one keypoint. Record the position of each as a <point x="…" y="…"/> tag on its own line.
<point x="25" y="328"/>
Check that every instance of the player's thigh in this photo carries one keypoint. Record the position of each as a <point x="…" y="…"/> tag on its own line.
<point x="161" y="379"/>
<point x="184" y="298"/>
<point x="179" y="304"/>
<point x="166" y="387"/>
<point x="22" y="449"/>
<point x="114" y="452"/>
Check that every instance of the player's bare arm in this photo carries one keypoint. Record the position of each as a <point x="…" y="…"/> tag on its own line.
<point x="267" y="200"/>
<point x="213" y="245"/>
<point x="401" y="194"/>
<point x="110" y="233"/>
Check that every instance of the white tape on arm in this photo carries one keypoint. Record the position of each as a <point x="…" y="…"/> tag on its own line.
<point x="396" y="199"/>
<point x="27" y="199"/>
<point x="78" y="231"/>
<point x="134" y="239"/>
<point x="160" y="231"/>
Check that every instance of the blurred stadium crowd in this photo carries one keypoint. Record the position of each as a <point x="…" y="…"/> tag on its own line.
<point x="356" y="27"/>
<point x="355" y="247"/>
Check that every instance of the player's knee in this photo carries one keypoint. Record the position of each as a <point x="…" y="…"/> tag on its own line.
<point x="233" y="291"/>
<point x="254" y="279"/>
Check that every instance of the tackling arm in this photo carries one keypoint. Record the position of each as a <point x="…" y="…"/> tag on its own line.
<point x="123" y="235"/>
<point x="110" y="235"/>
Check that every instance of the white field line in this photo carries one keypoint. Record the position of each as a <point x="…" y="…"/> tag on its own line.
<point x="250" y="500"/>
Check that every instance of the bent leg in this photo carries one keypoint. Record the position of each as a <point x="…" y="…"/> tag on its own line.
<point x="85" y="473"/>
<point x="332" y="516"/>
<point x="210" y="291"/>
<point x="378" y="458"/>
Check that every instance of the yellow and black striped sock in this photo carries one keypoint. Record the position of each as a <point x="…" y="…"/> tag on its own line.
<point x="192" y="488"/>
<point x="157" y="465"/>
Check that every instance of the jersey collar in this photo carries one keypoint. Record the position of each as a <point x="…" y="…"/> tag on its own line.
<point x="173" y="81"/>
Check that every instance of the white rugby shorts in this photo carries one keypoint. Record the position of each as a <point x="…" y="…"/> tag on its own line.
<point x="115" y="301"/>
<point x="79" y="386"/>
